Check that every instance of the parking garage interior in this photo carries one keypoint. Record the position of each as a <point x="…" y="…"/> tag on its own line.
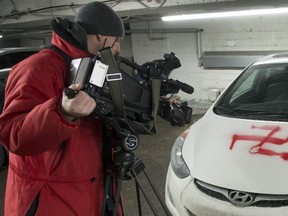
<point x="213" y="52"/>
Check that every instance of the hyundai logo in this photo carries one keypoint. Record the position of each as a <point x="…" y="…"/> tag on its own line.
<point x="240" y="198"/>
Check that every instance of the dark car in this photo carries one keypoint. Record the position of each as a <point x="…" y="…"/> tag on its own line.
<point x="8" y="58"/>
<point x="3" y="78"/>
<point x="11" y="56"/>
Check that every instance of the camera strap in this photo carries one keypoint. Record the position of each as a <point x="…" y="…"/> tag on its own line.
<point x="65" y="56"/>
<point x="117" y="96"/>
<point x="115" y="86"/>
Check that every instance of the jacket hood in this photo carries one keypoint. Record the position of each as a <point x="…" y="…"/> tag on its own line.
<point x="70" y="38"/>
<point x="71" y="50"/>
<point x="239" y="154"/>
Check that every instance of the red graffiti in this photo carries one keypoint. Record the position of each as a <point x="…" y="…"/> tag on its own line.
<point x="259" y="148"/>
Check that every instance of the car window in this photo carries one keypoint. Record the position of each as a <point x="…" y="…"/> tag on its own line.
<point x="9" y="59"/>
<point x="260" y="92"/>
<point x="3" y="80"/>
<point x="244" y="86"/>
<point x="3" y="62"/>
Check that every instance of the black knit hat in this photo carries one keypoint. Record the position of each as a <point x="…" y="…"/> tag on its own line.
<point x="98" y="18"/>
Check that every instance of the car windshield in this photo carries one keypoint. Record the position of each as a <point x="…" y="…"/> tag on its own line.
<point x="260" y="92"/>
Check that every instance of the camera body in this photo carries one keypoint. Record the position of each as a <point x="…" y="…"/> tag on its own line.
<point x="137" y="91"/>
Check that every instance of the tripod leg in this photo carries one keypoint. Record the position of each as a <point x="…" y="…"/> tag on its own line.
<point x="117" y="197"/>
<point x="138" y="198"/>
<point x="143" y="192"/>
<point x="107" y="184"/>
<point x="122" y="208"/>
<point x="158" y="195"/>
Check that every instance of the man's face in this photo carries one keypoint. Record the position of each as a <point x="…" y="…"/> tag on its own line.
<point x="114" y="43"/>
<point x="98" y="42"/>
<point x="116" y="47"/>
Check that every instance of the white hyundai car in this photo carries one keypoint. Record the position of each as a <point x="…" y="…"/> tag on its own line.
<point x="234" y="160"/>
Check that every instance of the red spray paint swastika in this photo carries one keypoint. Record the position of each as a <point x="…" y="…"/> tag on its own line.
<point x="258" y="149"/>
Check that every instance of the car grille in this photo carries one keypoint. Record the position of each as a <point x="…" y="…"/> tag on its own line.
<point x="258" y="200"/>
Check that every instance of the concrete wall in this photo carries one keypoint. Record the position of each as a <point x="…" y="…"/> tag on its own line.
<point x="233" y="34"/>
<point x="126" y="46"/>
<point x="36" y="42"/>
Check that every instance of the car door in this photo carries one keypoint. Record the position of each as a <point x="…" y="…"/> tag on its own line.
<point x="3" y="78"/>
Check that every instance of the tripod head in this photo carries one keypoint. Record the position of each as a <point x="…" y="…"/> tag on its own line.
<point x="121" y="143"/>
<point x="124" y="166"/>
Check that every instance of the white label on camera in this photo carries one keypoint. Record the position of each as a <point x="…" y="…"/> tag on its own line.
<point x="114" y="77"/>
<point x="98" y="74"/>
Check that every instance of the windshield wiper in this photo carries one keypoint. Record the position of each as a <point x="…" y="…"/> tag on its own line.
<point x="266" y="113"/>
<point x="225" y="110"/>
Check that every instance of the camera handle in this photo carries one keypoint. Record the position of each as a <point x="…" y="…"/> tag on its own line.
<point x="127" y="162"/>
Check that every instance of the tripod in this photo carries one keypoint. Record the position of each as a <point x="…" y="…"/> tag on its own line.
<point x="126" y="162"/>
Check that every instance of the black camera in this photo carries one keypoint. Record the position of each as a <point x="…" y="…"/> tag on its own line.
<point x="129" y="89"/>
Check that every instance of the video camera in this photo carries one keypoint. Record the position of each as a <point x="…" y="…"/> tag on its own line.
<point x="128" y="93"/>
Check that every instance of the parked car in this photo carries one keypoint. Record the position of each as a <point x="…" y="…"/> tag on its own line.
<point x="11" y="56"/>
<point x="8" y="58"/>
<point x="3" y="78"/>
<point x="233" y="161"/>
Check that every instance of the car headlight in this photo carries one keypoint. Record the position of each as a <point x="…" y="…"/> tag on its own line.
<point x="178" y="164"/>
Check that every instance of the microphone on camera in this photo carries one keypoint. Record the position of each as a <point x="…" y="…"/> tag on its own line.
<point x="180" y="85"/>
<point x="185" y="87"/>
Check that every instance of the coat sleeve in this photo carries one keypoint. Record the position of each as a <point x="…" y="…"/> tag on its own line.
<point x="31" y="121"/>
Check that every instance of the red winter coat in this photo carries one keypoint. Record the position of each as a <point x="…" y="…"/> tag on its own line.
<point x="59" y="160"/>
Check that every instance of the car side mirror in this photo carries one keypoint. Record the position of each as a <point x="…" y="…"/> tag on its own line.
<point x="213" y="94"/>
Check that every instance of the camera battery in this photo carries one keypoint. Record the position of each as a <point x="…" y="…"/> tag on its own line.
<point x="98" y="74"/>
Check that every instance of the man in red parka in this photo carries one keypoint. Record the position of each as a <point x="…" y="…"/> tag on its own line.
<point x="55" y="145"/>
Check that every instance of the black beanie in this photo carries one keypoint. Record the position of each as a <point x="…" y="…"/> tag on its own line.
<point x="98" y="18"/>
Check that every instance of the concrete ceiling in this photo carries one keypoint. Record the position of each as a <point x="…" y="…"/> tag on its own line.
<point x="32" y="17"/>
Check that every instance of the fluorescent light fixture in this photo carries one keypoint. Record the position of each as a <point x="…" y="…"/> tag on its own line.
<point x="1" y="36"/>
<point x="226" y="14"/>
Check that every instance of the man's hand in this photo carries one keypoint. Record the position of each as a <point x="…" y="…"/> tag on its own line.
<point x="80" y="105"/>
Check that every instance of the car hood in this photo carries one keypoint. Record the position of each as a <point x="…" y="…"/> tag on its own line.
<point x="239" y="154"/>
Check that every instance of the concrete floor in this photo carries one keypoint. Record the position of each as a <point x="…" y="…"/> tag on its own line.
<point x="155" y="153"/>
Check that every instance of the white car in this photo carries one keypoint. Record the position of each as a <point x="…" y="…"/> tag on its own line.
<point x="234" y="160"/>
